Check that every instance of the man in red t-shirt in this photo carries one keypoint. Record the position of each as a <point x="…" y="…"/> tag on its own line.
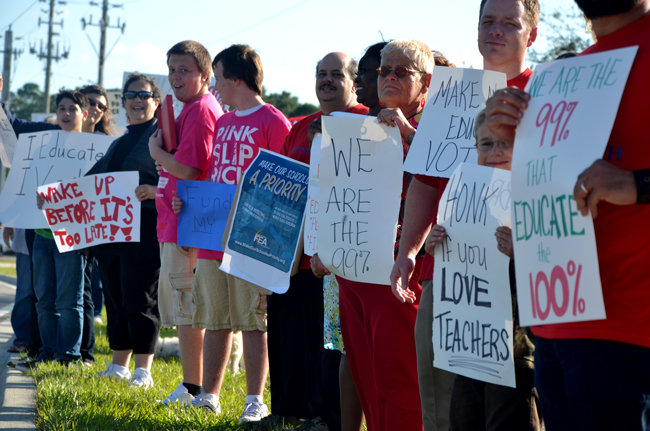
<point x="506" y="29"/>
<point x="304" y="383"/>
<point x="594" y="375"/>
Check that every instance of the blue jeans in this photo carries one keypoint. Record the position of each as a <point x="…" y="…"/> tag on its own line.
<point x="58" y="283"/>
<point x="22" y="303"/>
<point x="591" y="384"/>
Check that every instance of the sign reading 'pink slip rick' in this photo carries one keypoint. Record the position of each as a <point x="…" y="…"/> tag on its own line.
<point x="92" y="210"/>
<point x="564" y="130"/>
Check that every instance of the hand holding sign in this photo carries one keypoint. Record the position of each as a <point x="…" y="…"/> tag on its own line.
<point x="504" y="110"/>
<point x="603" y="182"/>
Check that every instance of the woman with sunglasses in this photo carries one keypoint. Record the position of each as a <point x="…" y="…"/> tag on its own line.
<point x="130" y="270"/>
<point x="99" y="116"/>
<point x="377" y="329"/>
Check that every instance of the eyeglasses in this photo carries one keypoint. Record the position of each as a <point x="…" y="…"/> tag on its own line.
<point x="144" y="95"/>
<point x="400" y="71"/>
<point x="99" y="105"/>
<point x="487" y="146"/>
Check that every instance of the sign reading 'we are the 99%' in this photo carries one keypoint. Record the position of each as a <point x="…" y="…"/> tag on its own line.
<point x="564" y="130"/>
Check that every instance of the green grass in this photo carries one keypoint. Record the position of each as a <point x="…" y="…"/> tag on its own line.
<point x="73" y="399"/>
<point x="8" y="266"/>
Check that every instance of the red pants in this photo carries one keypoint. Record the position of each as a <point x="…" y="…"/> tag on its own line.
<point x="380" y="346"/>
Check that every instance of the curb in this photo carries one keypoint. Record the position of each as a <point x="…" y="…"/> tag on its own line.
<point x="17" y="391"/>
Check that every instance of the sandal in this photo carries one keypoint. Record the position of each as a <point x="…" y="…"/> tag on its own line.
<point x="17" y="349"/>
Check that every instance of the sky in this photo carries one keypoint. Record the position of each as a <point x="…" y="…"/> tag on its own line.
<point x="289" y="35"/>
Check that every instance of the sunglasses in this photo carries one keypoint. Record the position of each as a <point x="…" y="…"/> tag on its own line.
<point x="99" y="105"/>
<point x="487" y="146"/>
<point x="400" y="71"/>
<point x="144" y="95"/>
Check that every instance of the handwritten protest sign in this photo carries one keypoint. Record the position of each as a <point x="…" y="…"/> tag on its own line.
<point x="565" y="128"/>
<point x="473" y="320"/>
<point x="8" y="140"/>
<point x="360" y="183"/>
<point x="204" y="216"/>
<point x="445" y="136"/>
<point x="93" y="210"/>
<point x="44" y="158"/>
<point x="313" y="191"/>
<point x="163" y="82"/>
<point x="267" y="222"/>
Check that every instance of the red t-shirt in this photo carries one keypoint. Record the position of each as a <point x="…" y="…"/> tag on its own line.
<point x="237" y="140"/>
<point x="194" y="130"/>
<point x="426" y="273"/>
<point x="521" y="80"/>
<point x="622" y="232"/>
<point x="296" y="146"/>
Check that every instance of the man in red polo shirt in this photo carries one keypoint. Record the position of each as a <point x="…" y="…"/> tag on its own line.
<point x="506" y="29"/>
<point x="594" y="375"/>
<point x="304" y="375"/>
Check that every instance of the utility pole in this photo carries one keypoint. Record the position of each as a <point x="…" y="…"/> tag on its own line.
<point x="103" y="25"/>
<point x="6" y="68"/>
<point x="48" y="55"/>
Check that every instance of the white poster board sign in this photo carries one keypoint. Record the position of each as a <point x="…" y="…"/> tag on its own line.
<point x="445" y="136"/>
<point x="360" y="187"/>
<point x="565" y="129"/>
<point x="93" y="210"/>
<point x="313" y="191"/>
<point x="473" y="320"/>
<point x="42" y="158"/>
<point x="163" y="82"/>
<point x="8" y="140"/>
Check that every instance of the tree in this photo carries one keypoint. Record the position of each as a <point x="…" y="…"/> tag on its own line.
<point x="566" y="30"/>
<point x="288" y="104"/>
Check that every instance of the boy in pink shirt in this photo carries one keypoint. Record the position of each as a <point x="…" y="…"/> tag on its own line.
<point x="224" y="303"/>
<point x="189" y="76"/>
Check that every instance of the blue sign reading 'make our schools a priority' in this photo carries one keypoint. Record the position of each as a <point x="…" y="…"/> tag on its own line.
<point x="270" y="210"/>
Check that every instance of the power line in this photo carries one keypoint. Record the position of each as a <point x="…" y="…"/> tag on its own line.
<point x="18" y="17"/>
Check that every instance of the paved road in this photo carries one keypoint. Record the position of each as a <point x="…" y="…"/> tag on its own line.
<point x="7" y="293"/>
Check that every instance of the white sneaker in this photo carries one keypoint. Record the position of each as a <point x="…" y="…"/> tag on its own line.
<point x="141" y="379"/>
<point x="253" y="412"/>
<point x="180" y="395"/>
<point x="207" y="402"/>
<point x="98" y="320"/>
<point x="114" y="371"/>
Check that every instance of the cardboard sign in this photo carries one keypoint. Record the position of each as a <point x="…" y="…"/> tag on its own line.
<point x="565" y="128"/>
<point x="8" y="140"/>
<point x="163" y="82"/>
<point x="203" y="219"/>
<point x="473" y="320"/>
<point x="360" y="188"/>
<point x="313" y="191"/>
<point x="445" y="136"/>
<point x="44" y="158"/>
<point x="93" y="210"/>
<point x="268" y="220"/>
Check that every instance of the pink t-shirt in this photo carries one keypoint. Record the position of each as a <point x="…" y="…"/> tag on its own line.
<point x="237" y="140"/>
<point x="194" y="130"/>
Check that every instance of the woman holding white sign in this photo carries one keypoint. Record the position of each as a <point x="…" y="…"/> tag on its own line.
<point x="130" y="270"/>
<point x="377" y="329"/>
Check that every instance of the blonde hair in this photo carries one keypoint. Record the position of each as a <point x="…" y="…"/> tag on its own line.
<point x="418" y="52"/>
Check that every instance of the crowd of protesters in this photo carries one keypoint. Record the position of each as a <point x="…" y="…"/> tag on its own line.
<point x="337" y="351"/>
